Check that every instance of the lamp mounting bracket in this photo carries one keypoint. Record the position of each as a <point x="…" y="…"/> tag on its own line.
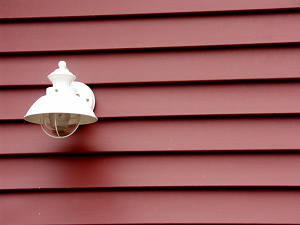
<point x="85" y="93"/>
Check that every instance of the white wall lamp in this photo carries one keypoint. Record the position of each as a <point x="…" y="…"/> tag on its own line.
<point x="65" y="106"/>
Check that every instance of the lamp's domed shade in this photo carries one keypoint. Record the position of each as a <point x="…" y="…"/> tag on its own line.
<point x="60" y="115"/>
<point x="60" y="104"/>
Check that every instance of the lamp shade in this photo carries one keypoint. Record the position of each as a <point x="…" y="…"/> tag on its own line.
<point x="65" y="106"/>
<point x="60" y="103"/>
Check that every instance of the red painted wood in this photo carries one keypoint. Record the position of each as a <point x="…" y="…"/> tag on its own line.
<point x="152" y="207"/>
<point x="204" y="170"/>
<point x="75" y="8"/>
<point x="159" y="66"/>
<point x="173" y="100"/>
<point x="157" y="135"/>
<point x="149" y="32"/>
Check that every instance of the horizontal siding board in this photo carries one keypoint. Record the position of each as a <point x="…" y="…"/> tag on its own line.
<point x="165" y="32"/>
<point x="155" y="207"/>
<point x="173" y="100"/>
<point x="12" y="9"/>
<point x="156" y="66"/>
<point x="166" y="135"/>
<point x="127" y="171"/>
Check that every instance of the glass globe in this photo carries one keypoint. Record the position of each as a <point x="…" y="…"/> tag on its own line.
<point x="60" y="125"/>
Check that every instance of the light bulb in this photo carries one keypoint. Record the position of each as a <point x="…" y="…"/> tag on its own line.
<point x="60" y="125"/>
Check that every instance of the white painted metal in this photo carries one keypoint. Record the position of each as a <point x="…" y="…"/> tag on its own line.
<point x="66" y="96"/>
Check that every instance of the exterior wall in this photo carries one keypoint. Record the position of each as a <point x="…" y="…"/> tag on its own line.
<point x="197" y="104"/>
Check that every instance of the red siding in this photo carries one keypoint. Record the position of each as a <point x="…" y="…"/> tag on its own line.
<point x="152" y="207"/>
<point x="80" y="8"/>
<point x="155" y="135"/>
<point x="152" y="170"/>
<point x="154" y="32"/>
<point x="178" y="100"/>
<point x="244" y="64"/>
<point x="197" y="104"/>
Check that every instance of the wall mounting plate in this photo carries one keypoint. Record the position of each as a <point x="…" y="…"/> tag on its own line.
<point x="85" y="93"/>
